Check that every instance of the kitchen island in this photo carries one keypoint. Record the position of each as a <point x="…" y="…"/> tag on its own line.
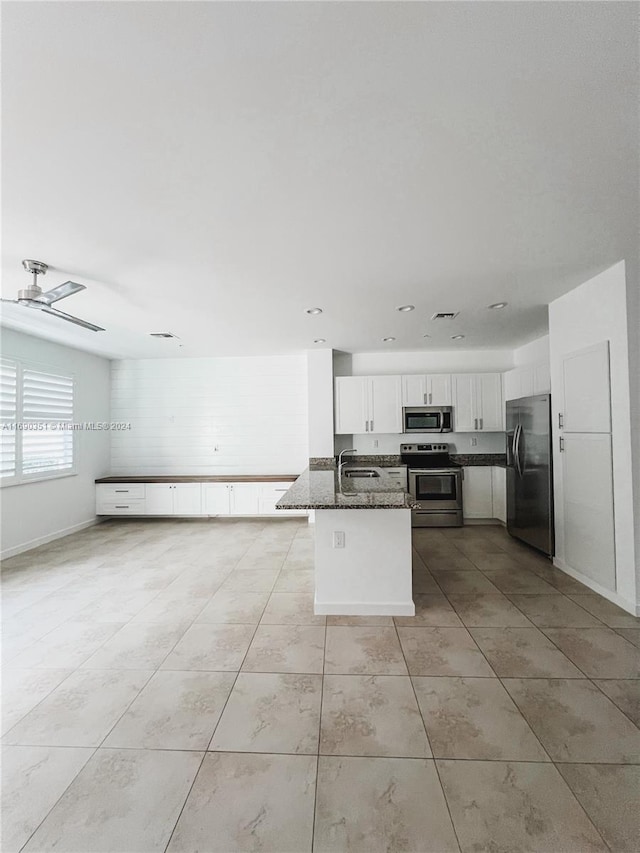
<point x="362" y="540"/>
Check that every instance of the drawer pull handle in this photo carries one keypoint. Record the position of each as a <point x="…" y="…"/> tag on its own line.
<point x="122" y="506"/>
<point x="122" y="491"/>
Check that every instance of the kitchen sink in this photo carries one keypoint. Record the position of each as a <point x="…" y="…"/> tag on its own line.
<point x="361" y="472"/>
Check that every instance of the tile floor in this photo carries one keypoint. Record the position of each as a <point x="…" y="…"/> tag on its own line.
<point x="167" y="687"/>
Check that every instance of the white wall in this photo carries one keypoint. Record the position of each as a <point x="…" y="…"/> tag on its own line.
<point x="594" y="312"/>
<point x="34" y="513"/>
<point x="210" y="415"/>
<point x="535" y="352"/>
<point x="320" y="394"/>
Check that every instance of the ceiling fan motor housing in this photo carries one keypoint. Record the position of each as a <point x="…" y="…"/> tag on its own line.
<point x="34" y="290"/>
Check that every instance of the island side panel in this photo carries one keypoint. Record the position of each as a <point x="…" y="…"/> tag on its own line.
<point x="371" y="575"/>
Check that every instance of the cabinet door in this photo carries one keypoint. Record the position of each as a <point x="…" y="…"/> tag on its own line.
<point x="215" y="499"/>
<point x="244" y="498"/>
<point x="587" y="395"/>
<point x="477" y="497"/>
<point x="385" y="404"/>
<point x="587" y="487"/>
<point x="511" y="384"/>
<point x="542" y="378"/>
<point x="187" y="499"/>
<point x="414" y="390"/>
<point x="526" y="381"/>
<point x="351" y="405"/>
<point x="439" y="389"/>
<point x="489" y="407"/>
<point x="159" y="499"/>
<point x="268" y="495"/>
<point x="464" y="391"/>
<point x="499" y="493"/>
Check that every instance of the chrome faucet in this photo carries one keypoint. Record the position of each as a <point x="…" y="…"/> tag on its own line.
<point x="341" y="464"/>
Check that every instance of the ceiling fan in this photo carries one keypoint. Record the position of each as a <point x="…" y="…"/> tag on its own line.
<point x="34" y="297"/>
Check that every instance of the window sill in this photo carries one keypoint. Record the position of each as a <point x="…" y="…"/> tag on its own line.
<point x="24" y="481"/>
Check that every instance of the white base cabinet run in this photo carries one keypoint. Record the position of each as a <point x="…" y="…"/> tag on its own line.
<point x="484" y="493"/>
<point x="191" y="499"/>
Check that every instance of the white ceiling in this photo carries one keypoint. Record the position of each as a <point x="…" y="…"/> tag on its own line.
<point x="213" y="169"/>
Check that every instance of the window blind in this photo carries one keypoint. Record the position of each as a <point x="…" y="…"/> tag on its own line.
<point x="47" y="407"/>
<point x="8" y="417"/>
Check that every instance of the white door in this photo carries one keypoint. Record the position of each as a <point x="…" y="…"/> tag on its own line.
<point x="439" y="389"/>
<point x="244" y="499"/>
<point x="499" y="493"/>
<point x="159" y="499"/>
<point x="351" y="405"/>
<point x="187" y="499"/>
<point x="587" y="485"/>
<point x="490" y="410"/>
<point x="477" y="499"/>
<point x="215" y="498"/>
<point x="587" y="401"/>
<point x="464" y="416"/>
<point x="414" y="390"/>
<point x="385" y="404"/>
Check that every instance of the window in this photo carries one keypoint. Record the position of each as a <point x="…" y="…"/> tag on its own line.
<point x="37" y="423"/>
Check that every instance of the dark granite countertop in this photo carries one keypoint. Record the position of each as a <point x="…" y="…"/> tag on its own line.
<point x="213" y="478"/>
<point x="473" y="460"/>
<point x="318" y="488"/>
<point x="391" y="461"/>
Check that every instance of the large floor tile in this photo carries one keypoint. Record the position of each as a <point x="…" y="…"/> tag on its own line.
<point x="23" y="689"/>
<point x="33" y="778"/>
<point x="554" y="611"/>
<point x="286" y="648"/>
<point x="211" y="647"/>
<point x="475" y="718"/>
<point x="442" y="651"/>
<point x="625" y="694"/>
<point x="523" y="653"/>
<point x="455" y="561"/>
<point x="359" y="651"/>
<point x="291" y="608"/>
<point x="371" y="715"/>
<point x="295" y="580"/>
<point x="123" y="800"/>
<point x="509" y="807"/>
<point x="464" y="582"/>
<point x="381" y="805"/>
<point x="606" y="611"/>
<point x="488" y="611"/>
<point x="631" y="634"/>
<point x="81" y="711"/>
<point x="575" y="721"/>
<point x="248" y="802"/>
<point x="431" y="611"/>
<point x="140" y="646"/>
<point x="66" y="647"/>
<point x="117" y="605"/>
<point x="361" y="621"/>
<point x="269" y="712"/>
<point x="599" y="652"/>
<point x="609" y="795"/>
<point x="423" y="582"/>
<point x="169" y="610"/>
<point x="175" y="710"/>
<point x="251" y="580"/>
<point x="235" y="607"/>
<point x="519" y="580"/>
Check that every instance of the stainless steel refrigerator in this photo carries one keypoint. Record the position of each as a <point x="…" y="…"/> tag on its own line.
<point x="529" y="472"/>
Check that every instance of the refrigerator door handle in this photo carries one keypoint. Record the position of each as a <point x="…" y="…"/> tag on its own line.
<point x="516" y="449"/>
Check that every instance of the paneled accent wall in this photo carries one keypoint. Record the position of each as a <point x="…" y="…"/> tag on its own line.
<point x="210" y="415"/>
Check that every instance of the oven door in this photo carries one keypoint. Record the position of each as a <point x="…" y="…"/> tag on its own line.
<point x="436" y="490"/>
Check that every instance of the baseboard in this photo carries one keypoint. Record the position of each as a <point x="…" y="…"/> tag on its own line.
<point x="495" y="521"/>
<point x="363" y="608"/>
<point x="613" y="597"/>
<point x="50" y="537"/>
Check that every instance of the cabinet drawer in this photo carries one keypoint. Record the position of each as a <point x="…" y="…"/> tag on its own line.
<point x="122" y="506"/>
<point x="113" y="492"/>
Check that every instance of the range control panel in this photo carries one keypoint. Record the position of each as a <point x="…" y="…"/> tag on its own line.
<point x="424" y="448"/>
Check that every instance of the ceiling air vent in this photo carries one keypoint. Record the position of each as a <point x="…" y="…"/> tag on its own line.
<point x="445" y="315"/>
<point x="162" y="335"/>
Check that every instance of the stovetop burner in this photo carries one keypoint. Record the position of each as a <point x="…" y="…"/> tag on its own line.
<point x="426" y="455"/>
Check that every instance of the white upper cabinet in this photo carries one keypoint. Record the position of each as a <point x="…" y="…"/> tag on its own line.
<point x="542" y="378"/>
<point x="587" y="392"/>
<point x="431" y="390"/>
<point x="525" y="381"/>
<point x="477" y="398"/>
<point x="368" y="404"/>
<point x="385" y="404"/>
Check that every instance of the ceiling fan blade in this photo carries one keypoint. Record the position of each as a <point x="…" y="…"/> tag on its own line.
<point x="60" y="292"/>
<point x="85" y="325"/>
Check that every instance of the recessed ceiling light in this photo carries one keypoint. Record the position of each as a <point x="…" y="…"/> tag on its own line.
<point x="404" y="308"/>
<point x="387" y="340"/>
<point x="499" y="305"/>
<point x="457" y="337"/>
<point x="320" y="341"/>
<point x="313" y="310"/>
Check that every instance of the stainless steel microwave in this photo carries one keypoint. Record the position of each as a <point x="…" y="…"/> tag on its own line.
<point x="427" y="419"/>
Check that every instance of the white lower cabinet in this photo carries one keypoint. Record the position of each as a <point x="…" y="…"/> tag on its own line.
<point x="269" y="495"/>
<point x="477" y="493"/>
<point x="243" y="498"/>
<point x="499" y="493"/>
<point x="173" y="499"/>
<point x="215" y="499"/>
